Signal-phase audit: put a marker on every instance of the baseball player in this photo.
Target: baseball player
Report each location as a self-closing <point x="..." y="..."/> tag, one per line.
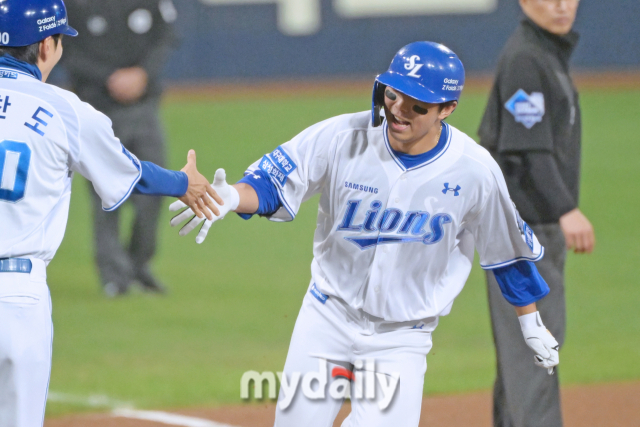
<point x="404" y="200"/>
<point x="47" y="134"/>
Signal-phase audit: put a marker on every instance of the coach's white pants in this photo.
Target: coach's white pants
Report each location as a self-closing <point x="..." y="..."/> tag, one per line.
<point x="26" y="334"/>
<point x="341" y="335"/>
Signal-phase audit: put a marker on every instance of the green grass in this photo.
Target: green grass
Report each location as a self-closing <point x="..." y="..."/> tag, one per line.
<point x="234" y="299"/>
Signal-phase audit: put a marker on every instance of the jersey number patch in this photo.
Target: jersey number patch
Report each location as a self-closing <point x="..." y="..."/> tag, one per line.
<point x="15" y="158"/>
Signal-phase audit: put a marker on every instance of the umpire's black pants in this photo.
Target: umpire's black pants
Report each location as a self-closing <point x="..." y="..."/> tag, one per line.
<point x="138" y="127"/>
<point x="524" y="395"/>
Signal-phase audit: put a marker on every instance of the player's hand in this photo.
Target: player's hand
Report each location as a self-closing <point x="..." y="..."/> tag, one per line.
<point x="540" y="340"/>
<point x="127" y="85"/>
<point x="578" y="231"/>
<point x="199" y="190"/>
<point x="230" y="201"/>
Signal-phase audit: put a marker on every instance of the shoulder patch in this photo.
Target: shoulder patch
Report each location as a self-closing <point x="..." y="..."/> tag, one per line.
<point x="527" y="109"/>
<point x="278" y="165"/>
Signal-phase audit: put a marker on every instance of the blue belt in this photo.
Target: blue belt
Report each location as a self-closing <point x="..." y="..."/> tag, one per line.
<point x="15" y="265"/>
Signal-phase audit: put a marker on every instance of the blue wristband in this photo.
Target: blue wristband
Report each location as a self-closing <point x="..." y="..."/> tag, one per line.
<point x="268" y="199"/>
<point x="157" y="181"/>
<point x="521" y="283"/>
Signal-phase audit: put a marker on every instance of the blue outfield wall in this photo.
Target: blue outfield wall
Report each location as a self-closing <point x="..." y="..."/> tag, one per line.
<point x="273" y="39"/>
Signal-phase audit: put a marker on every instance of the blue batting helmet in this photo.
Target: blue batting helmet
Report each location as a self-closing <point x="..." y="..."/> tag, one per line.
<point x="427" y="71"/>
<point x="25" y="22"/>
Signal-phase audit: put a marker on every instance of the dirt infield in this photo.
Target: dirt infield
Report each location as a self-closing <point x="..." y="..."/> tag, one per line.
<point x="610" y="405"/>
<point x="224" y="90"/>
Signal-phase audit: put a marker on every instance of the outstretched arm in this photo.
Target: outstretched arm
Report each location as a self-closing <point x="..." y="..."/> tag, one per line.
<point x="189" y="185"/>
<point x="199" y="194"/>
<point x="254" y="194"/>
<point x="241" y="198"/>
<point x="248" y="198"/>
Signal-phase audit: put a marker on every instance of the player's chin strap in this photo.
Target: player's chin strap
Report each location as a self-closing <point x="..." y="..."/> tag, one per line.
<point x="377" y="103"/>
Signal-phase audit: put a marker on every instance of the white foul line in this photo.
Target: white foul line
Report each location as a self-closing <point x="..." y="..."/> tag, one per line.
<point x="92" y="401"/>
<point x="125" y="410"/>
<point x="166" y="418"/>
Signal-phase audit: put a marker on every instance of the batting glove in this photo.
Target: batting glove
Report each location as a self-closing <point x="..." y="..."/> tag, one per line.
<point x="540" y="340"/>
<point x="229" y="196"/>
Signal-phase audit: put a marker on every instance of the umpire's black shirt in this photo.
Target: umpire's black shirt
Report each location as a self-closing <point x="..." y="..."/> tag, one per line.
<point x="532" y="123"/>
<point x="116" y="34"/>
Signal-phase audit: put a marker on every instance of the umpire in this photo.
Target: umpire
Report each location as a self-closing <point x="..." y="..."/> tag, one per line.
<point x="532" y="128"/>
<point x="116" y="67"/>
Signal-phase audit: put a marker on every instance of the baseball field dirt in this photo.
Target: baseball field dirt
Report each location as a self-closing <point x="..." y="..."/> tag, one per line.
<point x="476" y="83"/>
<point x="610" y="405"/>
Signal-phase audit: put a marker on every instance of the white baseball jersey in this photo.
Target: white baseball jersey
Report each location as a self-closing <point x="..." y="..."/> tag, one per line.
<point x="46" y="134"/>
<point x="397" y="243"/>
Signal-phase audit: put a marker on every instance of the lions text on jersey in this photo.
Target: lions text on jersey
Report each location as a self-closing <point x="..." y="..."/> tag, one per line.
<point x="397" y="242"/>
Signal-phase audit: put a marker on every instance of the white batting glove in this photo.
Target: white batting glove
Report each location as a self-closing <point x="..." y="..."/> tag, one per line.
<point x="540" y="340"/>
<point x="229" y="196"/>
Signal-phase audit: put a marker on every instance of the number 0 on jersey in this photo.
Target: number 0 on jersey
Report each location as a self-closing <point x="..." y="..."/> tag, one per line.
<point x="15" y="158"/>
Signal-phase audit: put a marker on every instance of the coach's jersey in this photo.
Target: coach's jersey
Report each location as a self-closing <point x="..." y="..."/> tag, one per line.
<point x="396" y="242"/>
<point x="46" y="134"/>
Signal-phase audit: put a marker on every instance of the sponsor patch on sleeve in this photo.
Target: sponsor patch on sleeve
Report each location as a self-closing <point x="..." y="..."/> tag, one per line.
<point x="528" y="236"/>
<point x="525" y="230"/>
<point x="6" y="74"/>
<point x="318" y="295"/>
<point x="267" y="166"/>
<point x="527" y="109"/>
<point x="278" y="165"/>
<point x="283" y="161"/>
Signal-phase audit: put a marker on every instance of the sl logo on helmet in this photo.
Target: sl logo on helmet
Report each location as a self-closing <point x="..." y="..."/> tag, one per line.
<point x="413" y="66"/>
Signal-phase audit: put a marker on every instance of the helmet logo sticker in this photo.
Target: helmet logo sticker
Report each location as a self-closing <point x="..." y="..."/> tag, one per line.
<point x="413" y="66"/>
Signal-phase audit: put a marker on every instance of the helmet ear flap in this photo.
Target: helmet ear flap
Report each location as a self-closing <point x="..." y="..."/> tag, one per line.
<point x="378" y="103"/>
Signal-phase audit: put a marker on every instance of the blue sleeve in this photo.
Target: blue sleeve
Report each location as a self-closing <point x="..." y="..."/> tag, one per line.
<point x="520" y="283"/>
<point x="157" y="181"/>
<point x="269" y="202"/>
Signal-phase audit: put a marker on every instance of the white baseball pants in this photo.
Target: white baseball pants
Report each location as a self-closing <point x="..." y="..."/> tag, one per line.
<point x="26" y="334"/>
<point x="345" y="337"/>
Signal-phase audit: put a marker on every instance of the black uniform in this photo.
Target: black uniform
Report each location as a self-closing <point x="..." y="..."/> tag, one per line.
<point x="532" y="128"/>
<point x="117" y="34"/>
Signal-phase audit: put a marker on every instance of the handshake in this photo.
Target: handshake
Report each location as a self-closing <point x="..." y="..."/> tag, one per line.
<point x="222" y="198"/>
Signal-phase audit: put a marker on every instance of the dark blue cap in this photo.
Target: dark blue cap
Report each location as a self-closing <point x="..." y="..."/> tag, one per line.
<point x="24" y="22"/>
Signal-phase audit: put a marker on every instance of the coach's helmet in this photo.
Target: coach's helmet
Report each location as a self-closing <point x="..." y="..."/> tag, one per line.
<point x="427" y="71"/>
<point x="25" y="22"/>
